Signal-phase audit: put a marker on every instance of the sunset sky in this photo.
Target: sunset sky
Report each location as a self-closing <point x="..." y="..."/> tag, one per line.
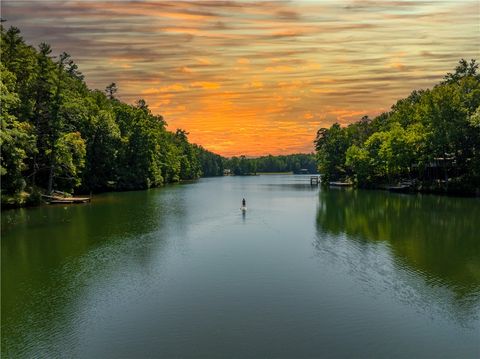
<point x="256" y="77"/>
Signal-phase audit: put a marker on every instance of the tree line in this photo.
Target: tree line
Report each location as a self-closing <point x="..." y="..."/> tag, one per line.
<point x="431" y="140"/>
<point x="57" y="134"/>
<point x="296" y="163"/>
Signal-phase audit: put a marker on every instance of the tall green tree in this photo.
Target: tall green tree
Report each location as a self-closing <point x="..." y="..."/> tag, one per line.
<point x="331" y="145"/>
<point x="17" y="140"/>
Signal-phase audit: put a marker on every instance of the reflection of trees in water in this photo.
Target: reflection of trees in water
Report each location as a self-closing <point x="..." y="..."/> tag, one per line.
<point x="434" y="236"/>
<point x="52" y="255"/>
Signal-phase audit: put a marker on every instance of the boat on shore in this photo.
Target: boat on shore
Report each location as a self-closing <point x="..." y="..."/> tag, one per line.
<point x="55" y="199"/>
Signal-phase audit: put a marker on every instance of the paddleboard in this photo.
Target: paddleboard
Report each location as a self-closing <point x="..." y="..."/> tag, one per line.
<point x="243" y="208"/>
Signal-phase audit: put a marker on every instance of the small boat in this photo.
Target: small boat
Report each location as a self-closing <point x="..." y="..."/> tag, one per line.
<point x="65" y="200"/>
<point x="60" y="201"/>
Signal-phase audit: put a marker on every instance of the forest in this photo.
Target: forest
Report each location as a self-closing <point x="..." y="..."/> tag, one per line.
<point x="430" y="140"/>
<point x="57" y="134"/>
<point x="296" y="163"/>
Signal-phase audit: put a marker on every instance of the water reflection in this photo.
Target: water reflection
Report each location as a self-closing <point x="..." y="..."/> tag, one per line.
<point x="429" y="237"/>
<point x="58" y="252"/>
<point x="155" y="273"/>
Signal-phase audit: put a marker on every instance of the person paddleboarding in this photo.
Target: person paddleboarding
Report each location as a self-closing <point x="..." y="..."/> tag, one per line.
<point x="244" y="205"/>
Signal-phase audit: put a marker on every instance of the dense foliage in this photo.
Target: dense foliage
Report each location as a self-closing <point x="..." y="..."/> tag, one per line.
<point x="431" y="138"/>
<point x="296" y="163"/>
<point x="59" y="135"/>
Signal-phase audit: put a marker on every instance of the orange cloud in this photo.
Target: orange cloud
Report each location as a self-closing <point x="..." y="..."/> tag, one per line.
<point x="204" y="60"/>
<point x="256" y="77"/>
<point x="176" y="87"/>
<point x="206" y="85"/>
<point x="279" y="68"/>
<point x="185" y="70"/>
<point x="255" y="84"/>
<point x="397" y="66"/>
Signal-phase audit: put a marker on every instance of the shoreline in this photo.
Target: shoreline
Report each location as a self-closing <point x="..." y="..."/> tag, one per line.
<point x="410" y="191"/>
<point x="24" y="198"/>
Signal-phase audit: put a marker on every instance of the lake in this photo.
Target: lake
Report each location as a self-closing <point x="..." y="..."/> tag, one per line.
<point x="180" y="271"/>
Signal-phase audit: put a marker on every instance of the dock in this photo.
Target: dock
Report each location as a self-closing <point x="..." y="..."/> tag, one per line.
<point x="314" y="180"/>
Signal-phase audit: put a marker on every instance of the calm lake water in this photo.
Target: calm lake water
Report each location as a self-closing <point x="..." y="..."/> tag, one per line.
<point x="305" y="272"/>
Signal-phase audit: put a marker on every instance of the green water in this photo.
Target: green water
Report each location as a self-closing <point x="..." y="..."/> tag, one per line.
<point x="181" y="272"/>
